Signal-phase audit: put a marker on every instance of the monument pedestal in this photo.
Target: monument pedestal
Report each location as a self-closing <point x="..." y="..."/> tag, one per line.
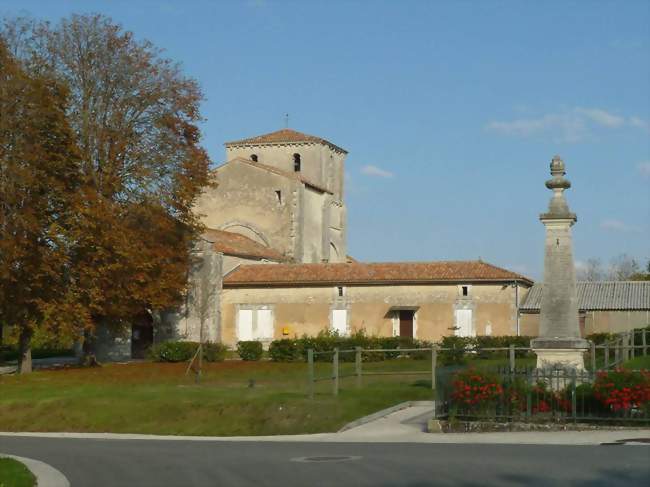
<point x="565" y="353"/>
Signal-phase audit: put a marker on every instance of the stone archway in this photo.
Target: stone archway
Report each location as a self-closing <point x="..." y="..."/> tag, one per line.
<point x="247" y="230"/>
<point x="334" y="253"/>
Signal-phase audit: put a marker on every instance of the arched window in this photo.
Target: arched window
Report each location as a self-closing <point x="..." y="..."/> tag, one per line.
<point x="296" y="162"/>
<point x="254" y="157"/>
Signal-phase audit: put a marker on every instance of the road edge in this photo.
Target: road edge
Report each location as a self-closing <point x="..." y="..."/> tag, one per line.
<point x="46" y="475"/>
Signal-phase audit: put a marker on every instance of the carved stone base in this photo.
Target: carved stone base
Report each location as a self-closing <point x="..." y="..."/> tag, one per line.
<point x="567" y="358"/>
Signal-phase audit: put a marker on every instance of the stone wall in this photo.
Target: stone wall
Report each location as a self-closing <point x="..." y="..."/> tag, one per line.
<point x="308" y="310"/>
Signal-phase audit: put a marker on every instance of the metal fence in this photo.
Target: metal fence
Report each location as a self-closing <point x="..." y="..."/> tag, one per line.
<point x="526" y="398"/>
<point x="529" y="394"/>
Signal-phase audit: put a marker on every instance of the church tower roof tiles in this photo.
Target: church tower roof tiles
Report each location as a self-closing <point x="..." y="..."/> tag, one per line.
<point x="282" y="137"/>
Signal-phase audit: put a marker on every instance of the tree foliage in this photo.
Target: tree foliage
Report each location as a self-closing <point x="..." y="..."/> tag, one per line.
<point x="39" y="179"/>
<point x="135" y="120"/>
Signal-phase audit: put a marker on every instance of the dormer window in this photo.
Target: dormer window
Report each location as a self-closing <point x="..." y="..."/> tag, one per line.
<point x="296" y="162"/>
<point x="254" y="157"/>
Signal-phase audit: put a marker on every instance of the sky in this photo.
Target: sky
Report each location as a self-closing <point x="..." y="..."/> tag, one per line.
<point x="451" y="110"/>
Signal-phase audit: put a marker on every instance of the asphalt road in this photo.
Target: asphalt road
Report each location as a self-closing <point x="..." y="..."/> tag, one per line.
<point x="103" y="463"/>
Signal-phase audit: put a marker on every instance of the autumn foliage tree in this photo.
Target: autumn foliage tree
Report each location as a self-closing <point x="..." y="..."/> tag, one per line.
<point x="39" y="178"/>
<point x="135" y="118"/>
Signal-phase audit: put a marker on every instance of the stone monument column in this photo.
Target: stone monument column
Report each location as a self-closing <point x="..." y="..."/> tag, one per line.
<point x="559" y="342"/>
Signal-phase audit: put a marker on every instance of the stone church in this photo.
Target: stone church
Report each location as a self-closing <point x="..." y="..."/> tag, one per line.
<point x="273" y="263"/>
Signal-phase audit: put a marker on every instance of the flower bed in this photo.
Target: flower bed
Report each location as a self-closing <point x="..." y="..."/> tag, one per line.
<point x="614" y="395"/>
<point x="623" y="390"/>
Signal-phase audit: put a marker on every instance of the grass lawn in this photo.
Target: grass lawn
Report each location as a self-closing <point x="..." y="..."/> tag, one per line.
<point x="160" y="398"/>
<point x="638" y="363"/>
<point x="15" y="474"/>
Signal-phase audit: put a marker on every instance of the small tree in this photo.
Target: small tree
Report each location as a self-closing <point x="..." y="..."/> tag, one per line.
<point x="203" y="296"/>
<point x="591" y="271"/>
<point x="623" y="267"/>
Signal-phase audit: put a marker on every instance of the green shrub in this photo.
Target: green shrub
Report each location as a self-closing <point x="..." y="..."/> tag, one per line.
<point x="458" y="346"/>
<point x="250" y="350"/>
<point x="502" y="341"/>
<point x="323" y="344"/>
<point x="600" y="338"/>
<point x="173" y="351"/>
<point x="286" y="350"/>
<point x="214" y="352"/>
<point x="178" y="351"/>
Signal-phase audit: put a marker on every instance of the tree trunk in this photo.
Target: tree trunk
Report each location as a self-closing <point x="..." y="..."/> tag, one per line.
<point x="25" y="351"/>
<point x="89" y="356"/>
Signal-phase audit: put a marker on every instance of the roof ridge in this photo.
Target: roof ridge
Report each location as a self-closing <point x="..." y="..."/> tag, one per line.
<point x="285" y="135"/>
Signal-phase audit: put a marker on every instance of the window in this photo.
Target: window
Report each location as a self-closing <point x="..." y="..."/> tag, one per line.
<point x="341" y="291"/>
<point x="254" y="157"/>
<point x="296" y="162"/>
<point x="255" y="324"/>
<point x="465" y="290"/>
<point x="278" y="193"/>
<point x="340" y="321"/>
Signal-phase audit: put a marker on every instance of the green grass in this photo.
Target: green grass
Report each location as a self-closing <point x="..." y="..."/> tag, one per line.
<point x="15" y="474"/>
<point x="638" y="363"/>
<point x="160" y="399"/>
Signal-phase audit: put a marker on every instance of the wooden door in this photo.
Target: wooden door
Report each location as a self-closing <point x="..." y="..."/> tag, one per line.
<point x="464" y="323"/>
<point x="406" y="323"/>
<point x="340" y="321"/>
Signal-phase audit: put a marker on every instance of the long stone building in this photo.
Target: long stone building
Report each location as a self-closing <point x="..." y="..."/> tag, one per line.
<point x="273" y="263"/>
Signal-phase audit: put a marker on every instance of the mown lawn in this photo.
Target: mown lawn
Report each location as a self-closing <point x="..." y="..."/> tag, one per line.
<point x="638" y="363"/>
<point x="233" y="397"/>
<point x="15" y="474"/>
<point x="160" y="398"/>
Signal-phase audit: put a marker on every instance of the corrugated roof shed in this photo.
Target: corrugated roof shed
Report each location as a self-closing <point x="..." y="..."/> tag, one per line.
<point x="606" y="295"/>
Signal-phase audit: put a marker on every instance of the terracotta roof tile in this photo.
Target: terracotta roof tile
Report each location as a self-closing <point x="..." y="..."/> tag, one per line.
<point x="373" y="273"/>
<point x="280" y="172"/>
<point x="283" y="136"/>
<point x="230" y="243"/>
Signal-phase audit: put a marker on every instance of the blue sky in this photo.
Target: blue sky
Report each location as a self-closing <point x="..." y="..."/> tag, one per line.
<point x="450" y="110"/>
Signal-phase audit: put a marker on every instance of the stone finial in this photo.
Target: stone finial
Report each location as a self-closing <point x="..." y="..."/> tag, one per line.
<point x="558" y="207"/>
<point x="558" y="172"/>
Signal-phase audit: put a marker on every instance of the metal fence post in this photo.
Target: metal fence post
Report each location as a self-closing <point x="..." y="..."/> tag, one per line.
<point x="644" y="342"/>
<point x="606" y="355"/>
<point x="617" y="351"/>
<point x="593" y="358"/>
<point x="632" y="344"/>
<point x="574" y="403"/>
<point x="434" y="360"/>
<point x="310" y="373"/>
<point x="335" y="366"/>
<point x="357" y="365"/>
<point x="512" y="357"/>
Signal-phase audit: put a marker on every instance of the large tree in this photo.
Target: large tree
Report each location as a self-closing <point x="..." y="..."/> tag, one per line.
<point x="135" y="116"/>
<point x="39" y="178"/>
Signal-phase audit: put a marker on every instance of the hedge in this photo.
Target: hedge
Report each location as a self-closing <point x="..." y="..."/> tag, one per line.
<point x="250" y="350"/>
<point x="295" y="350"/>
<point x="177" y="351"/>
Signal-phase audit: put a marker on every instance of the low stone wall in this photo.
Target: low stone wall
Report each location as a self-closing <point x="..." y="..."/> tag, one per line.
<point x="445" y="426"/>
